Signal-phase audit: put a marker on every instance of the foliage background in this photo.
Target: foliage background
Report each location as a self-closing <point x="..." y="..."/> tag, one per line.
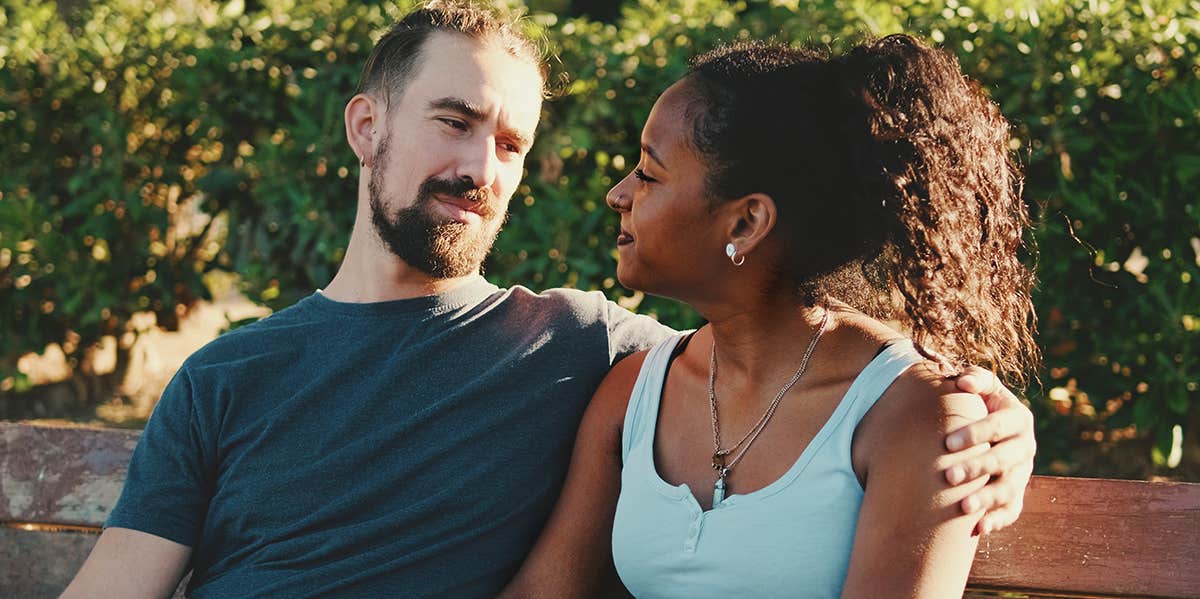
<point x="147" y="146"/>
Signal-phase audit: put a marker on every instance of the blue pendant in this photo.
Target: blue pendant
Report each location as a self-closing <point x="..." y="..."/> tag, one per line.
<point x="719" y="491"/>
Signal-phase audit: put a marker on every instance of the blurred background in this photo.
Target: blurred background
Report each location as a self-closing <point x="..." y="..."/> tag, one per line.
<point x="172" y="169"/>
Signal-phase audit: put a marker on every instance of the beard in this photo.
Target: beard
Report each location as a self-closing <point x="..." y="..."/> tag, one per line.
<point x="416" y="234"/>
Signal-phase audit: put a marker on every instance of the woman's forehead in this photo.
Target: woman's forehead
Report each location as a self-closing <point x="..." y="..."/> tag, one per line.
<point x="668" y="128"/>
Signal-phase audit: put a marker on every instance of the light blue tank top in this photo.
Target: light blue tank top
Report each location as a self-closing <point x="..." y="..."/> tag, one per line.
<point x="791" y="538"/>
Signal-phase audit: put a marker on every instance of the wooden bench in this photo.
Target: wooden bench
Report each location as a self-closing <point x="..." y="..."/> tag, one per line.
<point x="1076" y="537"/>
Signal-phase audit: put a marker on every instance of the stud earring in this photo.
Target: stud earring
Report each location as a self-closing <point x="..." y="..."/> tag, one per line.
<point x="731" y="253"/>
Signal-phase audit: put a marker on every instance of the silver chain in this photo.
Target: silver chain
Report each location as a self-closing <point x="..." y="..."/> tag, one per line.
<point x="718" y="458"/>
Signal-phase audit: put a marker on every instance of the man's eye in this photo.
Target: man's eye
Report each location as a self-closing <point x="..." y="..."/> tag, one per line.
<point x="513" y="148"/>
<point x="454" y="123"/>
<point x="641" y="175"/>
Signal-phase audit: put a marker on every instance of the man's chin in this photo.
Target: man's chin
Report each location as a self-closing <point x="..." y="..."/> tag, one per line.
<point x="454" y="262"/>
<point x="439" y="246"/>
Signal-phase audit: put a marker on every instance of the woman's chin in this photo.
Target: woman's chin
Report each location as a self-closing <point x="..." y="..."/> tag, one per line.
<point x="627" y="277"/>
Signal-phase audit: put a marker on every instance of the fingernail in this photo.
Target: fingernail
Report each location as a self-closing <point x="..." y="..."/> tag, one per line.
<point x="956" y="475"/>
<point x="955" y="442"/>
<point x="971" y="504"/>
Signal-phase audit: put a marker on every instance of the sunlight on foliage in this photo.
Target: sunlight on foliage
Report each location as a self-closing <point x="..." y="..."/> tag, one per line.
<point x="145" y="145"/>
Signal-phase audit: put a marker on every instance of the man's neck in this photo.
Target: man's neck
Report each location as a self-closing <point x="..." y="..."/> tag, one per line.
<point x="367" y="276"/>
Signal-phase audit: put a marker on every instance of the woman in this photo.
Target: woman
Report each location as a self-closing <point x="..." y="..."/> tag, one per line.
<point x="792" y="446"/>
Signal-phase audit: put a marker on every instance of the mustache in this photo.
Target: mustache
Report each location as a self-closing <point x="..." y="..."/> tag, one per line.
<point x="459" y="188"/>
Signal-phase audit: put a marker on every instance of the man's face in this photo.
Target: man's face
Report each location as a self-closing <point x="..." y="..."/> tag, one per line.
<point x="451" y="153"/>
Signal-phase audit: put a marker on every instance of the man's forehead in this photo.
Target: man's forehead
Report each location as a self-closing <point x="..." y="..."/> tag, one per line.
<point x="481" y="74"/>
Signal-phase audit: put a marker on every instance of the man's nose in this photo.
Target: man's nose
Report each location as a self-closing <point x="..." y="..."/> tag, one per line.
<point x="480" y="164"/>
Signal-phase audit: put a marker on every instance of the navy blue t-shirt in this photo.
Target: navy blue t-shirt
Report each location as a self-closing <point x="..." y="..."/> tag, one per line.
<point x="407" y="448"/>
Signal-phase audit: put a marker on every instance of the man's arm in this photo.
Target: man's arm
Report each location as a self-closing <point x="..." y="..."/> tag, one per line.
<point x="573" y="555"/>
<point x="128" y="563"/>
<point x="1008" y="427"/>
<point x="146" y="544"/>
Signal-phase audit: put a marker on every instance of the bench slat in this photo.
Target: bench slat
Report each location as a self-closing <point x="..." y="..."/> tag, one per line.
<point x="40" y="564"/>
<point x="61" y="475"/>
<point x="1098" y="536"/>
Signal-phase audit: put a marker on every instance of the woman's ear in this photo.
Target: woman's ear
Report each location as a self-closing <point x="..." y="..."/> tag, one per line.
<point x="363" y="117"/>
<point x="752" y="219"/>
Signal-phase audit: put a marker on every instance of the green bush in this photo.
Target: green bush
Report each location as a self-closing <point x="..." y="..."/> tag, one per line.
<point x="144" y="147"/>
<point x="101" y="158"/>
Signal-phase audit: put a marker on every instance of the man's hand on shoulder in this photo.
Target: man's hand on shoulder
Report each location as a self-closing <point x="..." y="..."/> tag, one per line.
<point x="1008" y="428"/>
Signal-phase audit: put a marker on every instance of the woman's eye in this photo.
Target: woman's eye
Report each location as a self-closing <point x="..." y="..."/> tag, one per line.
<point x="642" y="176"/>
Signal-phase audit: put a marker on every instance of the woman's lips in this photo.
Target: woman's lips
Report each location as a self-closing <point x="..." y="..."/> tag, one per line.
<point x="624" y="239"/>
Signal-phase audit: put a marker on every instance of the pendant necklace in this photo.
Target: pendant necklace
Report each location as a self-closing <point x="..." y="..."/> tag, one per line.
<point x="721" y="461"/>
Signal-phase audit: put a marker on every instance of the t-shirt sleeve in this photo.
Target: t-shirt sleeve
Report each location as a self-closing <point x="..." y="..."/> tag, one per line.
<point x="167" y="487"/>
<point x="629" y="332"/>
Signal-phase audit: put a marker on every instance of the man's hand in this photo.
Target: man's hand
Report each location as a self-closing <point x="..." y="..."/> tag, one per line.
<point x="1009" y="429"/>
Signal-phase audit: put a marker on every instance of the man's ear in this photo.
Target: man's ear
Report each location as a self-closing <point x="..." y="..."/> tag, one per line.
<point x="751" y="220"/>
<point x="364" y="117"/>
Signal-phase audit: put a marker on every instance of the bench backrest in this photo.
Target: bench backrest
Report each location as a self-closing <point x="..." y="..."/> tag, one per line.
<point x="1097" y="537"/>
<point x="56" y="487"/>
<point x="1076" y="537"/>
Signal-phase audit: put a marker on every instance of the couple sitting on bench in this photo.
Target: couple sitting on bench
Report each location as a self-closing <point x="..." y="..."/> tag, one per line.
<point x="408" y="430"/>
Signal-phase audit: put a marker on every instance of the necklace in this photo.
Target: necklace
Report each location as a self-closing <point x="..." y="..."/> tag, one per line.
<point x="719" y="455"/>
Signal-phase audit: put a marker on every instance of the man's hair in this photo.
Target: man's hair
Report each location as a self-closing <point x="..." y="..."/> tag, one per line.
<point x="397" y="55"/>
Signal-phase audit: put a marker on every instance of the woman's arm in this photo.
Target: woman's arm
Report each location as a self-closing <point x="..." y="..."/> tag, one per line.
<point x="912" y="538"/>
<point x="573" y="555"/>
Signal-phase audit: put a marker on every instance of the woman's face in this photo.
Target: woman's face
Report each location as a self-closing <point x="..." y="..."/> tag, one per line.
<point x="670" y="243"/>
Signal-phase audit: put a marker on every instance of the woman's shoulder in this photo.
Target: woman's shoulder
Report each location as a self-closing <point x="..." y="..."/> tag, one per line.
<point x="921" y="394"/>
<point x="928" y="395"/>
<point x="623" y="374"/>
<point x="910" y="420"/>
<point x="611" y="398"/>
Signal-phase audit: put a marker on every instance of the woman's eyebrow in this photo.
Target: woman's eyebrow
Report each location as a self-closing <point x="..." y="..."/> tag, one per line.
<point x="649" y="150"/>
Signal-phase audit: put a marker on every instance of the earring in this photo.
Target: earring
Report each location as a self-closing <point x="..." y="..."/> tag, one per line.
<point x="731" y="253"/>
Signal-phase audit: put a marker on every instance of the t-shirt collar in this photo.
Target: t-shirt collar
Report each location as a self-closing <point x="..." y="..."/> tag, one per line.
<point x="473" y="290"/>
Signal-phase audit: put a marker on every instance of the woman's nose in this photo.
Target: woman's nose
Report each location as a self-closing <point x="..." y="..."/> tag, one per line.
<point x="618" y="196"/>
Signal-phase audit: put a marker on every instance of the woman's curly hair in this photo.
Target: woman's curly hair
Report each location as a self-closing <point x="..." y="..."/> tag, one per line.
<point x="893" y="181"/>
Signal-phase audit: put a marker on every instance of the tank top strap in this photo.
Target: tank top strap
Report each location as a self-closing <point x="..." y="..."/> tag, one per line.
<point x="641" y="414"/>
<point x="892" y="361"/>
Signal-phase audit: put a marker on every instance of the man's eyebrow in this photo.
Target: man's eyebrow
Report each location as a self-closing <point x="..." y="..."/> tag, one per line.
<point x="654" y="155"/>
<point x="458" y="105"/>
<point x="474" y="113"/>
<point x="523" y="139"/>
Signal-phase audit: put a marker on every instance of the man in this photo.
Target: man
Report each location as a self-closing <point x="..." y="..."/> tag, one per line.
<point x="404" y="431"/>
